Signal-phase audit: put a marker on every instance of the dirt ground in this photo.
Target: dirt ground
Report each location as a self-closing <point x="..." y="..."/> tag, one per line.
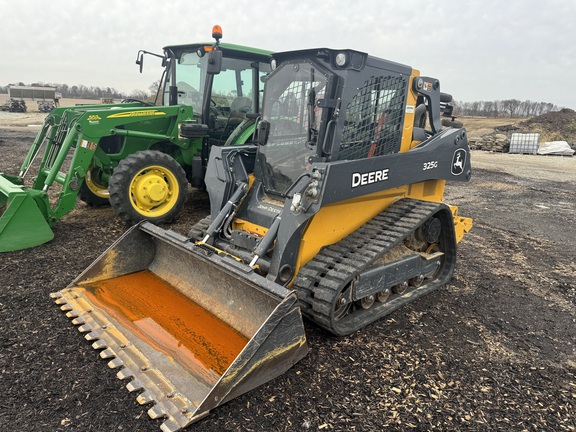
<point x="492" y="350"/>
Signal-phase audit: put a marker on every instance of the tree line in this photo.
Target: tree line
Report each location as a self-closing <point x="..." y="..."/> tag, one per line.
<point x="503" y="108"/>
<point x="497" y="108"/>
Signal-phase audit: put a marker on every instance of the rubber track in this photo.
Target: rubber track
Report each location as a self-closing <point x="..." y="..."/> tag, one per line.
<point x="323" y="278"/>
<point x="198" y="230"/>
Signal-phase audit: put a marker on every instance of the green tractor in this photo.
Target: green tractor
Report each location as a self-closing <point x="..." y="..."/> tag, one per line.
<point x="136" y="156"/>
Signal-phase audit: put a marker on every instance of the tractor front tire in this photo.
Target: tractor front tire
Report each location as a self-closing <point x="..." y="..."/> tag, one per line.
<point x="148" y="185"/>
<point x="92" y="191"/>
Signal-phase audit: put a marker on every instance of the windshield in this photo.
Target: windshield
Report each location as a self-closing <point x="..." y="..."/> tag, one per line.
<point x="190" y="80"/>
<point x="291" y="109"/>
<point x="233" y="94"/>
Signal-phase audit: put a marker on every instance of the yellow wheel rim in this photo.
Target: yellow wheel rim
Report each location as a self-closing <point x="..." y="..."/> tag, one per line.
<point x="96" y="188"/>
<point x="154" y="191"/>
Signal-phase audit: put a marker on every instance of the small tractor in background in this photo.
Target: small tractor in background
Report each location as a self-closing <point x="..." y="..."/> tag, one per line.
<point x="15" y="105"/>
<point x="46" y="106"/>
<point x="135" y="156"/>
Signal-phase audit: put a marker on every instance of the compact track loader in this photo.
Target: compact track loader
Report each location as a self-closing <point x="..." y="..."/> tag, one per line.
<point x="135" y="156"/>
<point x="335" y="213"/>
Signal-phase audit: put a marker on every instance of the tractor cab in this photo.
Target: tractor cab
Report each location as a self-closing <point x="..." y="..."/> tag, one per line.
<point x="221" y="82"/>
<point x="219" y="98"/>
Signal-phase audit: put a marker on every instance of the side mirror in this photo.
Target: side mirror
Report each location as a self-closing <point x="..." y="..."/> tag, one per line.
<point x="214" y="62"/>
<point x="140" y="61"/>
<point x="263" y="132"/>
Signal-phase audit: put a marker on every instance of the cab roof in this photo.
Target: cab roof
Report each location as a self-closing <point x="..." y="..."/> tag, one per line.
<point x="227" y="48"/>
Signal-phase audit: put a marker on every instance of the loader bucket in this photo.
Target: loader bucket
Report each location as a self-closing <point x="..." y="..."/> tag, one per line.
<point x="190" y="329"/>
<point x="22" y="223"/>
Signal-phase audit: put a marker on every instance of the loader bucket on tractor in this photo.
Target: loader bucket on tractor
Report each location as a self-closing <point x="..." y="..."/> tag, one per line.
<point x="22" y="223"/>
<point x="189" y="328"/>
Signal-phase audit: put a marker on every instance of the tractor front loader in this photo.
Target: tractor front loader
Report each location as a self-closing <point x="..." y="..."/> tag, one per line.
<point x="78" y="148"/>
<point x="135" y="156"/>
<point x="335" y="213"/>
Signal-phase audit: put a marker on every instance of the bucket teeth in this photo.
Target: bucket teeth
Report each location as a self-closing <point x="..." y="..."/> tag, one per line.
<point x="107" y="354"/>
<point x="156" y="412"/>
<point x="60" y="301"/>
<point x="115" y="363"/>
<point x="91" y="334"/>
<point x="134" y="385"/>
<point x="85" y="328"/>
<point x="78" y="321"/>
<point x="99" y="344"/>
<point x="145" y="398"/>
<point x="132" y="365"/>
<point x="73" y="313"/>
<point x="169" y="426"/>
<point x="124" y="373"/>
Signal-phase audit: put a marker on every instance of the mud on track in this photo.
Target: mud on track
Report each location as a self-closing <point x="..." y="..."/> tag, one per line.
<point x="493" y="350"/>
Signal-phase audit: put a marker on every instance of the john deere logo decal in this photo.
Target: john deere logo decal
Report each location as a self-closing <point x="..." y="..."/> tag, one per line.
<point x="141" y="113"/>
<point x="458" y="162"/>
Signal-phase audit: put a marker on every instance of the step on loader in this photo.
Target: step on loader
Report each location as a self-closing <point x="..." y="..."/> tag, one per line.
<point x="135" y="156"/>
<point x="335" y="214"/>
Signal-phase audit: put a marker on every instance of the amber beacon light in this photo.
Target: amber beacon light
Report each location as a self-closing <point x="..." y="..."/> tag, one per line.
<point x="217" y="32"/>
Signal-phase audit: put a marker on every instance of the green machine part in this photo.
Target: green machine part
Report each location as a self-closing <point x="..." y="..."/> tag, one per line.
<point x="70" y="142"/>
<point x="23" y="223"/>
<point x="108" y="153"/>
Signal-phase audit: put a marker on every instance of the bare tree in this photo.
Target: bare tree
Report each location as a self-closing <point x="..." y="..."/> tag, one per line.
<point x="139" y="94"/>
<point x="490" y="109"/>
<point x="155" y="93"/>
<point x="511" y="106"/>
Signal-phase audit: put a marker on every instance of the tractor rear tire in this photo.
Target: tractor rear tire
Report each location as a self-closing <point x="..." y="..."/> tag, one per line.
<point x="148" y="185"/>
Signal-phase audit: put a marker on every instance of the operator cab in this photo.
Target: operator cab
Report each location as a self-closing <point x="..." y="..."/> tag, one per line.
<point x="234" y="91"/>
<point x="327" y="105"/>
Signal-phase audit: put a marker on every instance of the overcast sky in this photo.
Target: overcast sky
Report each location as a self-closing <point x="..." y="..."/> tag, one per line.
<point x="479" y="50"/>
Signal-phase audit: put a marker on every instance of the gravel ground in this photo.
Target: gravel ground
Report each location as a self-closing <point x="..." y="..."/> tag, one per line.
<point x="8" y="119"/>
<point x="492" y="350"/>
<point x="547" y="168"/>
